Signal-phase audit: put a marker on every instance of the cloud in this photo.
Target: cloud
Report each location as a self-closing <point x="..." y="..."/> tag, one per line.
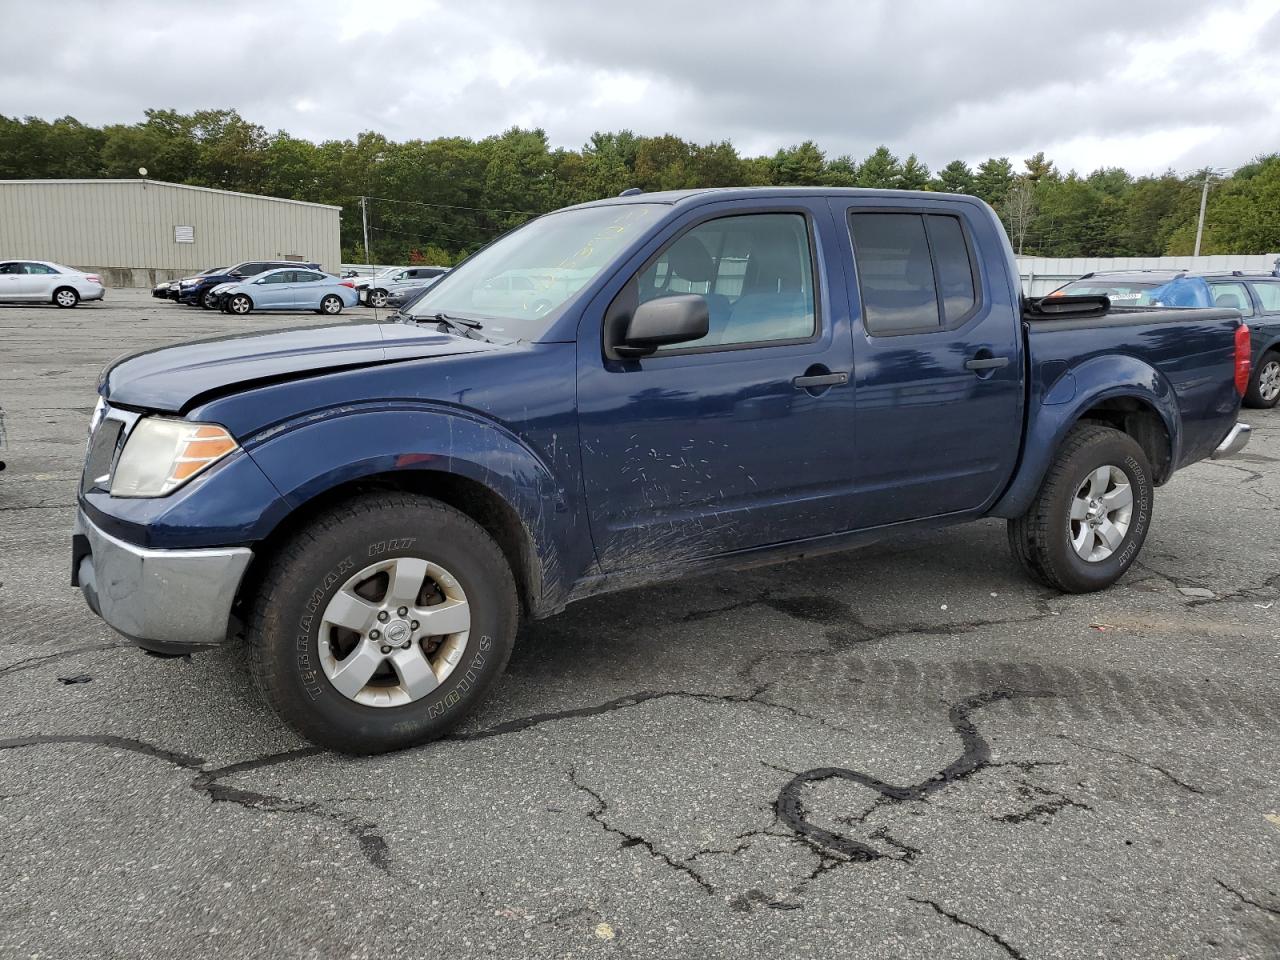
<point x="1145" y="85"/>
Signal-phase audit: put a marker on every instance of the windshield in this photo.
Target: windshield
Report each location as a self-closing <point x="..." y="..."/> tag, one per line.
<point x="1178" y="292"/>
<point x="516" y="285"/>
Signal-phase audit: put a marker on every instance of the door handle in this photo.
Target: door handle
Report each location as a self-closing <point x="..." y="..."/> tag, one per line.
<point x="820" y="380"/>
<point x="986" y="363"/>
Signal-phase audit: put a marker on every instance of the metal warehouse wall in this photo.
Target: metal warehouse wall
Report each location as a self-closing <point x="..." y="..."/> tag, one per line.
<point x="124" y="229"/>
<point x="1043" y="274"/>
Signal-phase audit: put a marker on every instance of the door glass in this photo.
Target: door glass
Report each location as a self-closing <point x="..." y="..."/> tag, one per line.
<point x="755" y="272"/>
<point x="1234" y="296"/>
<point x="955" y="268"/>
<point x="895" y="274"/>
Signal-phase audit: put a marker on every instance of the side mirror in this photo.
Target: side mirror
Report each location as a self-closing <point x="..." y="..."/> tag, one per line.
<point x="662" y="322"/>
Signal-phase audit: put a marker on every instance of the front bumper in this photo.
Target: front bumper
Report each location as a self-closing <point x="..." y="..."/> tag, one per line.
<point x="1233" y="442"/>
<point x="170" y="601"/>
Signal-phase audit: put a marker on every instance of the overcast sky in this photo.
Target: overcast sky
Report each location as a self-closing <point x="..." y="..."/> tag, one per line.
<point x="1143" y="85"/>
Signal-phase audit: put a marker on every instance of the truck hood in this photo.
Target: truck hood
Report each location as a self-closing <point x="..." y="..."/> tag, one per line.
<point x="172" y="379"/>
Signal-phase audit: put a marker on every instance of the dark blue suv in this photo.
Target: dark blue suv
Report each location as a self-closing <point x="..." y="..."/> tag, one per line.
<point x="196" y="290"/>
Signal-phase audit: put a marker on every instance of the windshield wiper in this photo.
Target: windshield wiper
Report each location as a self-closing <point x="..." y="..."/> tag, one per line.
<point x="460" y="324"/>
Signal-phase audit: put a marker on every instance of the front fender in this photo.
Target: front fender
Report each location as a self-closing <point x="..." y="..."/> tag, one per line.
<point x="1065" y="401"/>
<point x="307" y="458"/>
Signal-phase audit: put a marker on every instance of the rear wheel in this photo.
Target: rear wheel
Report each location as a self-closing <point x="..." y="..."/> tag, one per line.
<point x="239" y="304"/>
<point x="1091" y="515"/>
<point x="331" y="305"/>
<point x="382" y="623"/>
<point x="1264" y="385"/>
<point x="66" y="297"/>
<point x="377" y="298"/>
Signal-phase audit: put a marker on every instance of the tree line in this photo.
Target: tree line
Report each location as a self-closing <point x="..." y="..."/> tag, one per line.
<point x="434" y="201"/>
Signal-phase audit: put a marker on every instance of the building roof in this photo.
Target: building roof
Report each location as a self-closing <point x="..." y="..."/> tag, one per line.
<point x="176" y="186"/>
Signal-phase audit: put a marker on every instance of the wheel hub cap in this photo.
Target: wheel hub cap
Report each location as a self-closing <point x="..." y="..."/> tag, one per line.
<point x="394" y="632"/>
<point x="1101" y="513"/>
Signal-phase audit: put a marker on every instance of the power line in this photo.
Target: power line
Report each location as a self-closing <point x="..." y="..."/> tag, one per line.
<point x="457" y="206"/>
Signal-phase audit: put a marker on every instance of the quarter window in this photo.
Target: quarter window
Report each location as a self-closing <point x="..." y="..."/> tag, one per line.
<point x="755" y="272"/>
<point x="915" y="272"/>
<point x="1268" y="296"/>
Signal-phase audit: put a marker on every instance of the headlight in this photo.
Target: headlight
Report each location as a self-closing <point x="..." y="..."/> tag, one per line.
<point x="162" y="454"/>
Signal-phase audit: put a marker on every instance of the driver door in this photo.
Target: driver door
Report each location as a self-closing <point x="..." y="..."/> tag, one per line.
<point x="743" y="438"/>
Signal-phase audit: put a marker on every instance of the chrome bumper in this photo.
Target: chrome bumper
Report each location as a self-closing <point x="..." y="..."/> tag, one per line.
<point x="164" y="600"/>
<point x="1233" y="443"/>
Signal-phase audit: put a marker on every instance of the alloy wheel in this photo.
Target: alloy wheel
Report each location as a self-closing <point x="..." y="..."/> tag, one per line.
<point x="1101" y="512"/>
<point x="394" y="632"/>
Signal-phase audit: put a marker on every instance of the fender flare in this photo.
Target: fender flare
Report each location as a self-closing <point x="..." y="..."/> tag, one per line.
<point x="1066" y="401"/>
<point x="413" y="438"/>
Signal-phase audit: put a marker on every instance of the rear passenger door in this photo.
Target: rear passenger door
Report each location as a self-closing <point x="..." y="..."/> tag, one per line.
<point x="937" y="363"/>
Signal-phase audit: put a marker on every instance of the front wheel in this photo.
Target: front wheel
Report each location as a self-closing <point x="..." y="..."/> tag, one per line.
<point x="209" y="301"/>
<point x="1264" y="385"/>
<point x="1089" y="520"/>
<point x="239" y="305"/>
<point x="331" y="305"/>
<point x="382" y="623"/>
<point x="66" y="297"/>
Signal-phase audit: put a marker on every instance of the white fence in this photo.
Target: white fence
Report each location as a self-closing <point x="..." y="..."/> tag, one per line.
<point x="1043" y="274"/>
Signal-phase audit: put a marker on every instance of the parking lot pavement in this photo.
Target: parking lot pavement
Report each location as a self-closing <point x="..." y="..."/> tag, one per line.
<point x="907" y="751"/>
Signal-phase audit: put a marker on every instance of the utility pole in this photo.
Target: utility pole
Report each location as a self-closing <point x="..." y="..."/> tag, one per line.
<point x="1204" y="197"/>
<point x="364" y="219"/>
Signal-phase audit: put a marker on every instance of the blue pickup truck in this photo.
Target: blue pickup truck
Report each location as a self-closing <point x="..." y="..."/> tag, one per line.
<point x="687" y="382"/>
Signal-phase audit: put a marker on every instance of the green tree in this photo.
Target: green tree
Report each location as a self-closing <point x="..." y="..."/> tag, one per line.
<point x="881" y="170"/>
<point x="799" y="166"/>
<point x="993" y="180"/>
<point x="914" y="175"/>
<point x="955" y="177"/>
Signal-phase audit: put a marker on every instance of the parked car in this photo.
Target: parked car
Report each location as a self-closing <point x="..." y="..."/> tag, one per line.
<point x="383" y="503"/>
<point x="375" y="290"/>
<point x="193" y="290"/>
<point x="41" y="281"/>
<point x="403" y="295"/>
<point x="288" y="289"/>
<point x="1255" y="295"/>
<point x="170" y="289"/>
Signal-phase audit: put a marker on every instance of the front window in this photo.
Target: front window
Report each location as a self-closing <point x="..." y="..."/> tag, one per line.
<point x="518" y="283"/>
<point x="754" y="270"/>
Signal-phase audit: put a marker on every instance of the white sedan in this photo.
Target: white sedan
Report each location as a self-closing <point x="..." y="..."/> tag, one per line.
<point x="43" y="282"/>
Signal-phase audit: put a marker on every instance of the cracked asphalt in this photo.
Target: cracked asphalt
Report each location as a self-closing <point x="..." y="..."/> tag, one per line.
<point x="907" y="751"/>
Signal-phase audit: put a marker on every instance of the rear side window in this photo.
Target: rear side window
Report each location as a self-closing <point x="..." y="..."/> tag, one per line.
<point x="1268" y="296"/>
<point x="915" y="272"/>
<point x="39" y="270"/>
<point x="1232" y="295"/>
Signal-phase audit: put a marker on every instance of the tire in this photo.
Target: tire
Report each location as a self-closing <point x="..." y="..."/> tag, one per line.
<point x="290" y="613"/>
<point x="331" y="305"/>
<point x="240" y="305"/>
<point x="66" y="297"/>
<point x="209" y="301"/>
<point x="377" y="298"/>
<point x="1264" y="385"/>
<point x="1048" y="540"/>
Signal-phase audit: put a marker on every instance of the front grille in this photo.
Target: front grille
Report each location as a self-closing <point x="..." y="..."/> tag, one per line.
<point x="102" y="455"/>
